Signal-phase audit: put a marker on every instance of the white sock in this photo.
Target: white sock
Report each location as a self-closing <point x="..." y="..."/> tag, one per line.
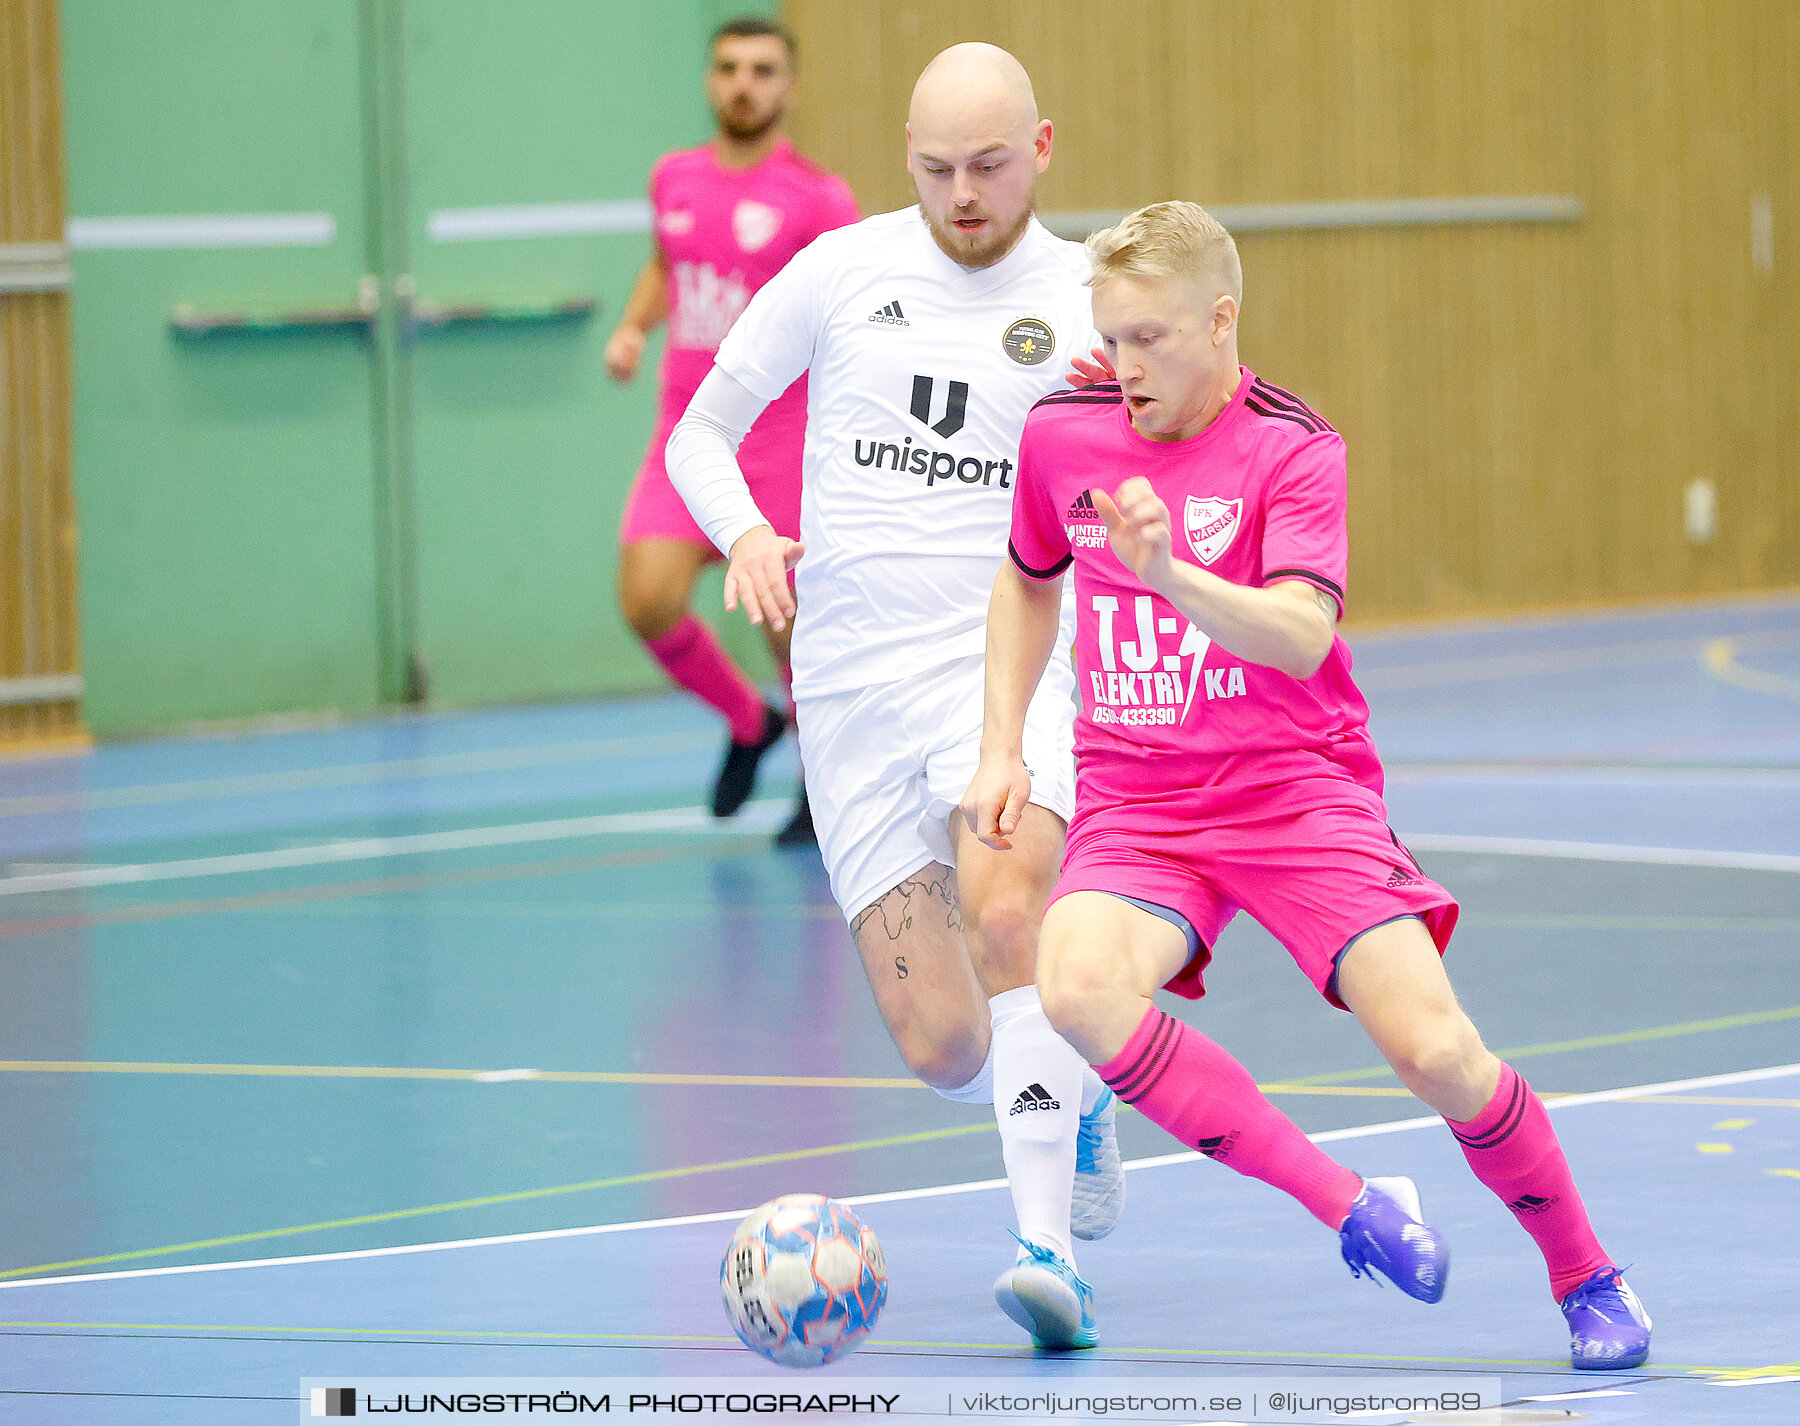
<point x="979" y="1090"/>
<point x="1037" y="1101"/>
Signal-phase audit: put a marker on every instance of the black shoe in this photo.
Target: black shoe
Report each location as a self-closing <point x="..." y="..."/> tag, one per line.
<point x="737" y="774"/>
<point x="799" y="830"/>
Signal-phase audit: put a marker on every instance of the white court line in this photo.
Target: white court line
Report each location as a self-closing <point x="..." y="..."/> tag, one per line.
<point x="756" y="817"/>
<point x="1599" y="852"/>
<point x="1330" y="1136"/>
<point x="753" y="819"/>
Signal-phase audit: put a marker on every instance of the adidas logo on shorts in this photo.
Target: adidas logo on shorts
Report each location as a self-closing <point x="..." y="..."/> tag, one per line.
<point x="1403" y="877"/>
<point x="890" y="316"/>
<point x="1033" y="1096"/>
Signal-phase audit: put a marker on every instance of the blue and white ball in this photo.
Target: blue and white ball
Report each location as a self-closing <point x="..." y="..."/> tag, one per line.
<point x="803" y="1280"/>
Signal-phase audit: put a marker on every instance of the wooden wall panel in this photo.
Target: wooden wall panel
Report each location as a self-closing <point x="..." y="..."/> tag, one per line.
<point x="1525" y="404"/>
<point x="38" y="630"/>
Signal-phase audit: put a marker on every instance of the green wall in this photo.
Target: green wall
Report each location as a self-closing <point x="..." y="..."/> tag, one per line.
<point x="233" y="490"/>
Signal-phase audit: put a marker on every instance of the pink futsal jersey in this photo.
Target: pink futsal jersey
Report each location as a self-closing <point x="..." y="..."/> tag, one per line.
<point x="724" y="233"/>
<point x="1169" y="719"/>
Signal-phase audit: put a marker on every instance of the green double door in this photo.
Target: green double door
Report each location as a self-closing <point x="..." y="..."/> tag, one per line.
<point x="343" y="276"/>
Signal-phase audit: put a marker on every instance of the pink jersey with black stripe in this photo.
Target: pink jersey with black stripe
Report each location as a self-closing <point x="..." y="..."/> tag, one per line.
<point x="1258" y="497"/>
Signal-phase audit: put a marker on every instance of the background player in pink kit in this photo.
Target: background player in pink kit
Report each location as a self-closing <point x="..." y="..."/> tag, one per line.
<point x="727" y="217"/>
<point x="1224" y="762"/>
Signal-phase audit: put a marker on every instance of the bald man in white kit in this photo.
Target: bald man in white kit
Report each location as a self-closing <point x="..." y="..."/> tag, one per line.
<point x="929" y="333"/>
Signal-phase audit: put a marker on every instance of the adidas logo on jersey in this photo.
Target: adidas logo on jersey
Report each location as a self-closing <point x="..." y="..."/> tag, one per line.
<point x="890" y="316"/>
<point x="1083" y="508"/>
<point x="1033" y="1097"/>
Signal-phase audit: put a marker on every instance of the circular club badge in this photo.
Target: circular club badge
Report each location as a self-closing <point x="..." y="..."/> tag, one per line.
<point x="1029" y="341"/>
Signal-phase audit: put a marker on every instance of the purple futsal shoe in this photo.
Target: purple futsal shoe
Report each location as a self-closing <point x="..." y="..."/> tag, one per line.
<point x="1383" y="1233"/>
<point x="1609" y="1331"/>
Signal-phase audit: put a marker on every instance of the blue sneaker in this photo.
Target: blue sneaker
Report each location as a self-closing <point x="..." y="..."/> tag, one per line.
<point x="1042" y="1293"/>
<point x="1609" y="1331"/>
<point x="1383" y="1233"/>
<point x="1099" y="1176"/>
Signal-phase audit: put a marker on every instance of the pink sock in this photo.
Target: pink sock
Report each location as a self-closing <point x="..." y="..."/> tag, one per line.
<point x="1514" y="1151"/>
<point x="1202" y="1096"/>
<point x="692" y="657"/>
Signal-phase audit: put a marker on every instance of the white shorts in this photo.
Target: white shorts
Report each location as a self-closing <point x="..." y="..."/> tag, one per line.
<point x="887" y="765"/>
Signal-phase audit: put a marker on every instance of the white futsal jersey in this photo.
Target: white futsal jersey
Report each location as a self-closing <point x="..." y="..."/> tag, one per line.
<point x="922" y="372"/>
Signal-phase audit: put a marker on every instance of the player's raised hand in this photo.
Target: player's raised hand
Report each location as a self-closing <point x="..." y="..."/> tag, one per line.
<point x="757" y="576"/>
<point x="1137" y="525"/>
<point x="1084" y="372"/>
<point x="624" y="350"/>
<point x="996" y="800"/>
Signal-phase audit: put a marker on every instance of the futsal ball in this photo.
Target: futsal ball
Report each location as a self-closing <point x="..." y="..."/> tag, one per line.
<point x="803" y="1280"/>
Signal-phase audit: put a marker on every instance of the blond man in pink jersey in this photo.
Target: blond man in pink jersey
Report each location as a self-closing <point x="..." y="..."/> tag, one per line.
<point x="727" y="217"/>
<point x="1224" y="763"/>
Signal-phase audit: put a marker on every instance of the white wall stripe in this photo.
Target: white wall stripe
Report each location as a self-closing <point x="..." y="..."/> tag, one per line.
<point x="205" y="230"/>
<point x="537" y="220"/>
<point x="729" y="1215"/>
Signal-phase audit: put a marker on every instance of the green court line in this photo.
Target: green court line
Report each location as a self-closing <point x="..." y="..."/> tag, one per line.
<point x="508" y="759"/>
<point x="591" y="910"/>
<point x="875" y="1345"/>
<point x="523" y="1195"/>
<point x="373" y="886"/>
<point x="1692" y="1027"/>
<point x="1591" y="1042"/>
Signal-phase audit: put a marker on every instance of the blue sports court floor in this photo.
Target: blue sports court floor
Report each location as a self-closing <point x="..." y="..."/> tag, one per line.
<point x="451" y="1045"/>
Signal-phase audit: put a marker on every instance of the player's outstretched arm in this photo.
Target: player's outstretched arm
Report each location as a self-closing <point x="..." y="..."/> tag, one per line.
<point x="1289" y="626"/>
<point x="702" y="462"/>
<point x="647" y="306"/>
<point x="1023" y="618"/>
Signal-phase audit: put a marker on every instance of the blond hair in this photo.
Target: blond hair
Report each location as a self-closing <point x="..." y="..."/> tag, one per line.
<point x="1169" y="240"/>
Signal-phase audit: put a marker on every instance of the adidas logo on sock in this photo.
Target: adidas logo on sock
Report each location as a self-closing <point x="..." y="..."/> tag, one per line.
<point x="1033" y="1096"/>
<point x="1219" y="1146"/>
<point x="1403" y="877"/>
<point x="890" y="316"/>
<point x="1531" y="1203"/>
<point x="1083" y="508"/>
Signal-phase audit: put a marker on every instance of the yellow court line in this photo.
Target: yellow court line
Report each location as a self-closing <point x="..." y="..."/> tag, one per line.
<point x="1720" y="657"/>
<point x="523" y="1195"/>
<point x="1593" y="1042"/>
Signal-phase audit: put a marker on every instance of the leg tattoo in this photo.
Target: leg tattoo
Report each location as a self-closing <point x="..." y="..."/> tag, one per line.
<point x="917" y="898"/>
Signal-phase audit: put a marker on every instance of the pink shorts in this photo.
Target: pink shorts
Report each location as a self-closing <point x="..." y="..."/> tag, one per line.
<point x="1312" y="859"/>
<point x="769" y="458"/>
